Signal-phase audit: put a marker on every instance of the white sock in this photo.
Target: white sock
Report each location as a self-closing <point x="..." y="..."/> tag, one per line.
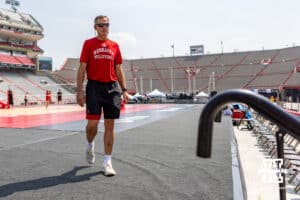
<point x="91" y="145"/>
<point x="107" y="159"/>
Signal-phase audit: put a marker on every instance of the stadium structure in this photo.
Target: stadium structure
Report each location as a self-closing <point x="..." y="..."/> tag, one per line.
<point x="19" y="58"/>
<point x="273" y="72"/>
<point x="37" y="142"/>
<point x="19" y="34"/>
<point x="270" y="72"/>
<point x="266" y="71"/>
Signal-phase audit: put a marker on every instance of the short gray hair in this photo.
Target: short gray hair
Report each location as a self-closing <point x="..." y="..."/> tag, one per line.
<point x="100" y="17"/>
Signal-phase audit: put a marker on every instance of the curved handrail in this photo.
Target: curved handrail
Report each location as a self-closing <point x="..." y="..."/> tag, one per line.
<point x="269" y="110"/>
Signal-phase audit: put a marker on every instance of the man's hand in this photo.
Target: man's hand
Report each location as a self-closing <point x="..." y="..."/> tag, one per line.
<point x="125" y="96"/>
<point x="80" y="98"/>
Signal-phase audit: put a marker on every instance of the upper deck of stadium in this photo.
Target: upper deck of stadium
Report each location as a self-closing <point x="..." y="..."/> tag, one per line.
<point x="263" y="69"/>
<point x="19" y="23"/>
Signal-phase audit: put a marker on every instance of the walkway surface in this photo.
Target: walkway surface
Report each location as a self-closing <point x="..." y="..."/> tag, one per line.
<point x="154" y="156"/>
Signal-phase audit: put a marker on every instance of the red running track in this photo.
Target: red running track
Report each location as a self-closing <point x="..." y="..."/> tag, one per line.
<point x="293" y="112"/>
<point x="29" y="121"/>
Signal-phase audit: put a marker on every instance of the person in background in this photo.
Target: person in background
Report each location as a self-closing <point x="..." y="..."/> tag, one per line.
<point x="48" y="98"/>
<point x="10" y="98"/>
<point x="59" y="96"/>
<point x="227" y="110"/>
<point x="26" y="99"/>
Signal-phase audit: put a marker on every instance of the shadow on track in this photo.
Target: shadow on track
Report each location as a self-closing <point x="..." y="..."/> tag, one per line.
<point x="68" y="177"/>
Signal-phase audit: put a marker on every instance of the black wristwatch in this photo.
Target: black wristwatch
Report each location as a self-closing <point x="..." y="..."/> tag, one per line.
<point x="124" y="90"/>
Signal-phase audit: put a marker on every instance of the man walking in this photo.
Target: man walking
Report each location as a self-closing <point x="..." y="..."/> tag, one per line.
<point x="101" y="60"/>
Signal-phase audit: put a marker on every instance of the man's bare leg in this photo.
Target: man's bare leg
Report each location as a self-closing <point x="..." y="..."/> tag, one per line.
<point x="91" y="132"/>
<point x="108" y="140"/>
<point x="108" y="137"/>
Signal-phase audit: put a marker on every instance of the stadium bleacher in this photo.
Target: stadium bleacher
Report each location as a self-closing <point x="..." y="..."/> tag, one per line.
<point x="246" y="70"/>
<point x="268" y="81"/>
<point x="264" y="69"/>
<point x="280" y="67"/>
<point x="9" y="59"/>
<point x="68" y="71"/>
<point x="19" y="35"/>
<point x="24" y="60"/>
<point x="231" y="59"/>
<point x="288" y="54"/>
<point x="293" y="81"/>
<point x="34" y="85"/>
<point x="257" y="56"/>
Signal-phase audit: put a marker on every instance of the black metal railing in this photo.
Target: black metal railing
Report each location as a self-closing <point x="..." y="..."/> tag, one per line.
<point x="285" y="121"/>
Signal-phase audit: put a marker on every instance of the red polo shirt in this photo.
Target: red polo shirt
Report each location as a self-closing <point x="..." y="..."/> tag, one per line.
<point x="101" y="56"/>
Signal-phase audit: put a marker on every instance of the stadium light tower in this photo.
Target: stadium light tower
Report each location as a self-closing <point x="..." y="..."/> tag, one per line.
<point x="192" y="73"/>
<point x="13" y="4"/>
<point x="150" y="83"/>
<point x="141" y="85"/>
<point x="221" y="46"/>
<point x="172" y="79"/>
<point x="136" y="86"/>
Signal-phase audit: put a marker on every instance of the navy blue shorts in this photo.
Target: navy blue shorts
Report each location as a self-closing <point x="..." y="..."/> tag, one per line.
<point x="102" y="96"/>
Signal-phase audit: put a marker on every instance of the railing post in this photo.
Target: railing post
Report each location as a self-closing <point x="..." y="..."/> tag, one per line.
<point x="285" y="121"/>
<point x="280" y="154"/>
<point x="218" y="117"/>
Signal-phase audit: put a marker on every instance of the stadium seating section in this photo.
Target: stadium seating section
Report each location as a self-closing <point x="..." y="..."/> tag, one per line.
<point x="267" y="69"/>
<point x="21" y="82"/>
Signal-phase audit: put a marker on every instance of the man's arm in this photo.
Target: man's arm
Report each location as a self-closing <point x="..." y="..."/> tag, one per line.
<point x="80" y="78"/>
<point x="121" y="79"/>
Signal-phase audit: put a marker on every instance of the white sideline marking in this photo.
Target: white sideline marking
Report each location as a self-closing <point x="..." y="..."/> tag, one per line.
<point x="130" y="119"/>
<point x="37" y="141"/>
<point x="121" y="120"/>
<point x="171" y="109"/>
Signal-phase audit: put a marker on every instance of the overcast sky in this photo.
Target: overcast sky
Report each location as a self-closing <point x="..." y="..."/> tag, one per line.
<point x="148" y="28"/>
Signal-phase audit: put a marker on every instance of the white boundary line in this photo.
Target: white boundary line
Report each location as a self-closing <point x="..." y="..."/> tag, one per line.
<point x="37" y="141"/>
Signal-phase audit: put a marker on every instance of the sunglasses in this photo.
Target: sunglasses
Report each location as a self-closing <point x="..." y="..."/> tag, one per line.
<point x="102" y="25"/>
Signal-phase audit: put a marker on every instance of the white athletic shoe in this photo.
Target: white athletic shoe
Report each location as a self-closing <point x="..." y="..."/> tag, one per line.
<point x="90" y="156"/>
<point x="109" y="170"/>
